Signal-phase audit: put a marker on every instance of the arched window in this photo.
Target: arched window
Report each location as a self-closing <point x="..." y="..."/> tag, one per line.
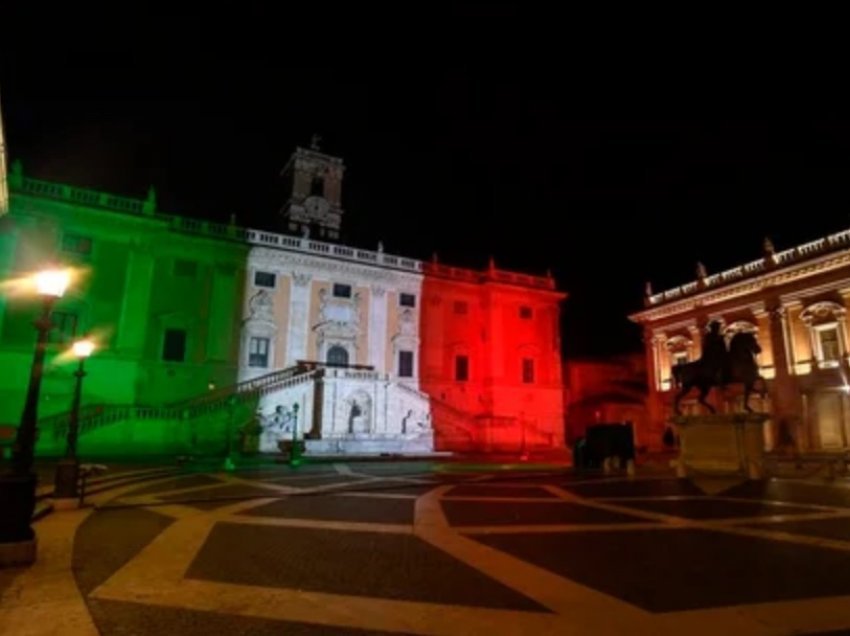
<point x="337" y="356"/>
<point x="317" y="186"/>
<point x="740" y="326"/>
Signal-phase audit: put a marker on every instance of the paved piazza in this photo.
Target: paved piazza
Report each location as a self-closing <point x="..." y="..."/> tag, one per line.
<point x="415" y="548"/>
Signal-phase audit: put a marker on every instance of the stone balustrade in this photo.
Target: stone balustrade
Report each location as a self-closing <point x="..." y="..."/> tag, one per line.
<point x="812" y="249"/>
<point x="262" y="238"/>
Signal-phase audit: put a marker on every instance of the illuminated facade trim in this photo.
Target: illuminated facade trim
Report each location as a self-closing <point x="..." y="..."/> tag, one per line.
<point x="761" y="283"/>
<point x="248" y="334"/>
<point x="796" y="303"/>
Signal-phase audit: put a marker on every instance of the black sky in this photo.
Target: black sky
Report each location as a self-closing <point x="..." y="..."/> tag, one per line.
<point x="469" y="138"/>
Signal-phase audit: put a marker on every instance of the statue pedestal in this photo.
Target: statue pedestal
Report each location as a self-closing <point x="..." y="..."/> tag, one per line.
<point x="727" y="444"/>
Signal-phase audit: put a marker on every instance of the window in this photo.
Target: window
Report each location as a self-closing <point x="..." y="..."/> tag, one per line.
<point x="76" y="244"/>
<point x="461" y="307"/>
<point x="405" y="364"/>
<point x="185" y="268"/>
<point x="829" y="347"/>
<point x="527" y="371"/>
<point x="461" y="368"/>
<point x="342" y="291"/>
<point x="63" y="326"/>
<point x="174" y="345"/>
<point x="317" y="186"/>
<point x="264" y="279"/>
<point x="525" y="312"/>
<point x="337" y="356"/>
<point x="407" y="300"/>
<point x="258" y="352"/>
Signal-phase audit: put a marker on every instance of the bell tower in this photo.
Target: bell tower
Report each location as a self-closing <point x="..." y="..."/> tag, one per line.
<point x="314" y="180"/>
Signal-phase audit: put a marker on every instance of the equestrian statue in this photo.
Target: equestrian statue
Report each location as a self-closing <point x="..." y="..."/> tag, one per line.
<point x="719" y="366"/>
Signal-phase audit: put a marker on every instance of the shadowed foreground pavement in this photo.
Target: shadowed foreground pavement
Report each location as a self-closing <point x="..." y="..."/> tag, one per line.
<point x="430" y="549"/>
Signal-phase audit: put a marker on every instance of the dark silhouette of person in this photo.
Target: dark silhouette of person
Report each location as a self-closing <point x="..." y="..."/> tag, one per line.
<point x="714" y="353"/>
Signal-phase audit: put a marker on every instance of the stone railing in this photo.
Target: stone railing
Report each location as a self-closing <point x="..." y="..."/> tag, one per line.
<point x="81" y="196"/>
<point x="351" y="374"/>
<point x="411" y="391"/>
<point x="95" y="416"/>
<point x="533" y="431"/>
<point x="833" y="242"/>
<point x="262" y="238"/>
<point x="320" y="248"/>
<point x="522" y="280"/>
<point x="448" y="419"/>
<point x="487" y="275"/>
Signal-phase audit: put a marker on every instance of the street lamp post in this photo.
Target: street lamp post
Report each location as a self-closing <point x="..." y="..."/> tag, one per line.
<point x="65" y="494"/>
<point x="294" y="455"/>
<point x="17" y="488"/>
<point x="524" y="452"/>
<point x="228" y="458"/>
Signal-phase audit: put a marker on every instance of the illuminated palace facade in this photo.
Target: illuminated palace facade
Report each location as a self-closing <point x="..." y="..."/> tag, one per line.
<point x="795" y="301"/>
<point x="210" y="332"/>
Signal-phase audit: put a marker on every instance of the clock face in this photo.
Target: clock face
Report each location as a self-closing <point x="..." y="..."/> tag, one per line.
<point x="316" y="206"/>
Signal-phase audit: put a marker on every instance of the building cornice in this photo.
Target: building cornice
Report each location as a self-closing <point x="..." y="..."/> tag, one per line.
<point x="276" y="260"/>
<point x="774" y="278"/>
<point x="146" y="209"/>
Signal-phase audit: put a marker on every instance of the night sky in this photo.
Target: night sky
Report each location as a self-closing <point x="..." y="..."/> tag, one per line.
<point x="462" y="142"/>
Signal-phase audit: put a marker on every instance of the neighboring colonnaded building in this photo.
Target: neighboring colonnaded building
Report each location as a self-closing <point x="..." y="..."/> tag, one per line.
<point x="795" y="301"/>
<point x="211" y="332"/>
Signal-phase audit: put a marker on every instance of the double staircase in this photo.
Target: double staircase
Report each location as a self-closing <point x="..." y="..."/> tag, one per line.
<point x="206" y="423"/>
<point x="218" y="408"/>
<point x="460" y="431"/>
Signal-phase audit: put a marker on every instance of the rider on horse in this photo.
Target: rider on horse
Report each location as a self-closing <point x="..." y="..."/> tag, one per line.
<point x="715" y="356"/>
<point x="719" y="366"/>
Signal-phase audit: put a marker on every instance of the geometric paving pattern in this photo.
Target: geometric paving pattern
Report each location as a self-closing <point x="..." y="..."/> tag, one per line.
<point x="682" y="569"/>
<point x="510" y="513"/>
<point x="381" y="565"/>
<point x="712" y="508"/>
<point x="381" y="548"/>
<point x="339" y="508"/>
<point x="389" y="553"/>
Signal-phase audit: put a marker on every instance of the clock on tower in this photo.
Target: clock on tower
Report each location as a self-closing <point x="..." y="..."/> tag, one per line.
<point x="315" y="183"/>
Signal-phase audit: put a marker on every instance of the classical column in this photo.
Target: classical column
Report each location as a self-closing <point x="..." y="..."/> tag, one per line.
<point x="814" y="345"/>
<point x="653" y="360"/>
<point x="378" y="328"/>
<point x="653" y="403"/>
<point x="767" y="358"/>
<point x="496" y="340"/>
<point x="134" y="321"/>
<point x="651" y="369"/>
<point x="786" y="399"/>
<point x="842" y="334"/>
<point x="788" y="342"/>
<point x="696" y="342"/>
<point x="299" y="318"/>
<point x="659" y="342"/>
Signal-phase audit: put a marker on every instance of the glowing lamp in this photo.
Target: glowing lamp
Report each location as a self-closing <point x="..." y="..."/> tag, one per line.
<point x="52" y="283"/>
<point x="83" y="348"/>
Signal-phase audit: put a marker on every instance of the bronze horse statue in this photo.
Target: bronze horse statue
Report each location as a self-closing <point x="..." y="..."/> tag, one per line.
<point x="740" y="366"/>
